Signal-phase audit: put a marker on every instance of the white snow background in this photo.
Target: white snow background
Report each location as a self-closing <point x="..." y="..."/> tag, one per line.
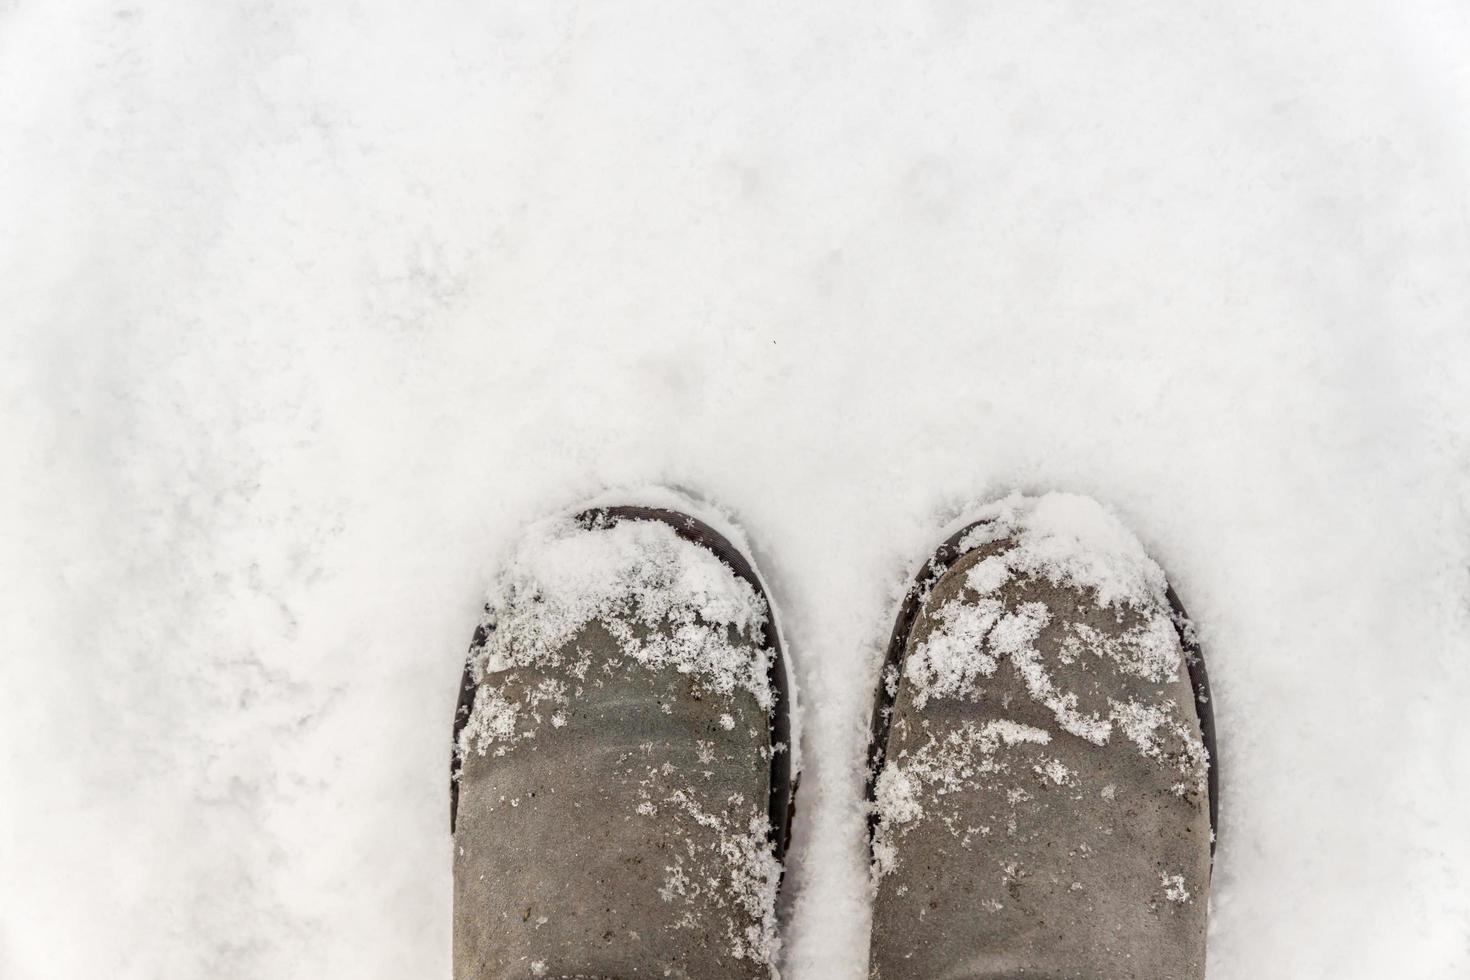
<point x="306" y="309"/>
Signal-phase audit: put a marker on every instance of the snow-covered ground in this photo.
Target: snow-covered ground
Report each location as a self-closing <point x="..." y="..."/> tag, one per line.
<point x="306" y="309"/>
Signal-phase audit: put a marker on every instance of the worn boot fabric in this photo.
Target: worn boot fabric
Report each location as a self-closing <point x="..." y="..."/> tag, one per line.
<point x="1042" y="792"/>
<point x="614" y="764"/>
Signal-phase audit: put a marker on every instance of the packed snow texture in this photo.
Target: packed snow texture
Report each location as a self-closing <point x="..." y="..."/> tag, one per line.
<point x="308" y="309"/>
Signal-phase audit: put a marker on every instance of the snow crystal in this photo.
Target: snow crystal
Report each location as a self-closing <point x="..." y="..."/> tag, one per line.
<point x="493" y="720"/>
<point x="1028" y="663"/>
<point x="916" y="779"/>
<point x="898" y="795"/>
<point x="1174" y="888"/>
<point x="734" y="869"/>
<point x="1149" y="651"/>
<point x="953" y="656"/>
<point x="1056" y="771"/>
<point x="1158" y="733"/>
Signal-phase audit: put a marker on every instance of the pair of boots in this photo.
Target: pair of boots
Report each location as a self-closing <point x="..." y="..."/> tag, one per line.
<point x="1042" y="787"/>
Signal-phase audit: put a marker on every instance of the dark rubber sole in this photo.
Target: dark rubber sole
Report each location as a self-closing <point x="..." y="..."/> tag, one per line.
<point x="946" y="555"/>
<point x="783" y="789"/>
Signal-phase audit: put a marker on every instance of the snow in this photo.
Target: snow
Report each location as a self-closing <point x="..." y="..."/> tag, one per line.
<point x="307" y="311"/>
<point x="952" y="659"/>
<point x="915" y="784"/>
<point x="1068" y="539"/>
<point x="748" y="876"/>
<point x="942" y="767"/>
<point x="1174" y="889"/>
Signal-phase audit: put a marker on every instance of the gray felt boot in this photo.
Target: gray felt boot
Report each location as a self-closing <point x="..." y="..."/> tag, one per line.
<point x="1043" y="760"/>
<point x="621" y="787"/>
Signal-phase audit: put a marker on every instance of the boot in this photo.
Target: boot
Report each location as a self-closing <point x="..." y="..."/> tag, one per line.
<point x="1043" y="780"/>
<point x="620" y="791"/>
